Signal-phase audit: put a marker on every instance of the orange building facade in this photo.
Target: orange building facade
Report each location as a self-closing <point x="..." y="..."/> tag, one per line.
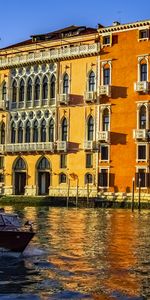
<point x="74" y="116"/>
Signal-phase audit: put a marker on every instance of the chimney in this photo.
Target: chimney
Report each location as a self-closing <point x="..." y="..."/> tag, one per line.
<point x="115" y="23"/>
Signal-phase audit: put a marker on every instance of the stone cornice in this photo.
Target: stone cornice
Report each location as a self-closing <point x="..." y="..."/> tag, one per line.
<point x="123" y="27"/>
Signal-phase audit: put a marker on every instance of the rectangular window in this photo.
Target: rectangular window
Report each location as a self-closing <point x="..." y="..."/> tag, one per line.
<point x="1" y="162"/>
<point x="143" y="34"/>
<point x="63" y="161"/>
<point x="89" y="160"/>
<point x="106" y="79"/>
<point x="106" y="40"/>
<point x="141" y="152"/>
<point x="104" y="152"/>
<point x="103" y="178"/>
<point x="141" y="177"/>
<point x="1" y="178"/>
<point x="143" y="73"/>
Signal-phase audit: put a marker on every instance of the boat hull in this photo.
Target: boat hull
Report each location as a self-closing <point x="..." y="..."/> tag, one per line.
<point x="15" y="241"/>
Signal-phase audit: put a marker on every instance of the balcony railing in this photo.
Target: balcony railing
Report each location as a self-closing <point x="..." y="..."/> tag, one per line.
<point x="140" y="134"/>
<point x="50" y="55"/>
<point x="103" y="136"/>
<point x="64" y="99"/>
<point x="89" y="145"/>
<point x="30" y="147"/>
<point x="90" y="96"/>
<point x="141" y="86"/>
<point x="105" y="90"/>
<point x="61" y="145"/>
<point x="2" y="148"/>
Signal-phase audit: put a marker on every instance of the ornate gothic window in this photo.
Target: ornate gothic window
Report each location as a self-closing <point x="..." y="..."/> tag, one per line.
<point x="37" y="89"/>
<point x="64" y="129"/>
<point x="43" y="164"/>
<point x="143" y="72"/>
<point x="106" y="119"/>
<point x="20" y="164"/>
<point x="90" y="128"/>
<point x="14" y="91"/>
<point x="27" y="132"/>
<point x="43" y="131"/>
<point x="20" y="132"/>
<point x="52" y="86"/>
<point x="45" y="88"/>
<point x="2" y="133"/>
<point x="21" y="91"/>
<point x="51" y="130"/>
<point x="106" y="75"/>
<point x="29" y="89"/>
<point x="35" y="131"/>
<point x="91" y="81"/>
<point x="4" y="91"/>
<point x="65" y="84"/>
<point x="13" y="133"/>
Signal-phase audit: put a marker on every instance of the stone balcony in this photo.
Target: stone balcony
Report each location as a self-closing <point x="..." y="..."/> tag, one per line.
<point x="105" y="90"/>
<point x="62" y="145"/>
<point x="90" y="96"/>
<point x="142" y="86"/>
<point x="29" y="147"/>
<point x="89" y="145"/>
<point x="49" y="55"/>
<point x="103" y="136"/>
<point x="140" y="134"/>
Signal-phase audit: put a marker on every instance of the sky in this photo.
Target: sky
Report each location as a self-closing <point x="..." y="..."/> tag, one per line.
<point x="19" y="19"/>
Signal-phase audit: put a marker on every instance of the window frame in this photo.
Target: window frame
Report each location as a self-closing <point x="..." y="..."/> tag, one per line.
<point x="89" y="160"/>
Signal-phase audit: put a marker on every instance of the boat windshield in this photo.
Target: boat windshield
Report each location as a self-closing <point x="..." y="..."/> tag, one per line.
<point x="9" y="219"/>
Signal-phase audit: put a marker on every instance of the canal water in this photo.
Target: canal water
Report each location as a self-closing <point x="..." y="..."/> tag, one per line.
<point x="76" y="254"/>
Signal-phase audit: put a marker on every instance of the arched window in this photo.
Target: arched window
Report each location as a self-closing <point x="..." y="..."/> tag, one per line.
<point x="14" y="91"/>
<point x="4" y="91"/>
<point x="88" y="178"/>
<point x="29" y="89"/>
<point x="142" y="117"/>
<point x="13" y="133"/>
<point x="91" y="81"/>
<point x="35" y="131"/>
<point x="43" y="131"/>
<point x="21" y="91"/>
<point x="2" y="133"/>
<point x="51" y="130"/>
<point x="27" y="132"/>
<point x="20" y="132"/>
<point x="37" y="89"/>
<point x="43" y="164"/>
<point x="65" y="84"/>
<point x="64" y="129"/>
<point x="143" y="72"/>
<point x="106" y="120"/>
<point x="62" y="178"/>
<point x="45" y="88"/>
<point x="20" y="164"/>
<point x="90" y="128"/>
<point x="52" y="86"/>
<point x="106" y="75"/>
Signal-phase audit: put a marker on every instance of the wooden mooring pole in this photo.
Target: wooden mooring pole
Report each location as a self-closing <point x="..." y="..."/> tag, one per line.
<point x="139" y="197"/>
<point x="133" y="180"/>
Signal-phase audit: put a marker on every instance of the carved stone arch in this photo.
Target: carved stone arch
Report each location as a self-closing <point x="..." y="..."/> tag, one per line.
<point x="20" y="171"/>
<point x="13" y="81"/>
<point x="43" y="171"/>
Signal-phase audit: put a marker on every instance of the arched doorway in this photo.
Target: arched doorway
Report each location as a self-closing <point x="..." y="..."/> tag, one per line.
<point x="20" y="177"/>
<point x="43" y="169"/>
